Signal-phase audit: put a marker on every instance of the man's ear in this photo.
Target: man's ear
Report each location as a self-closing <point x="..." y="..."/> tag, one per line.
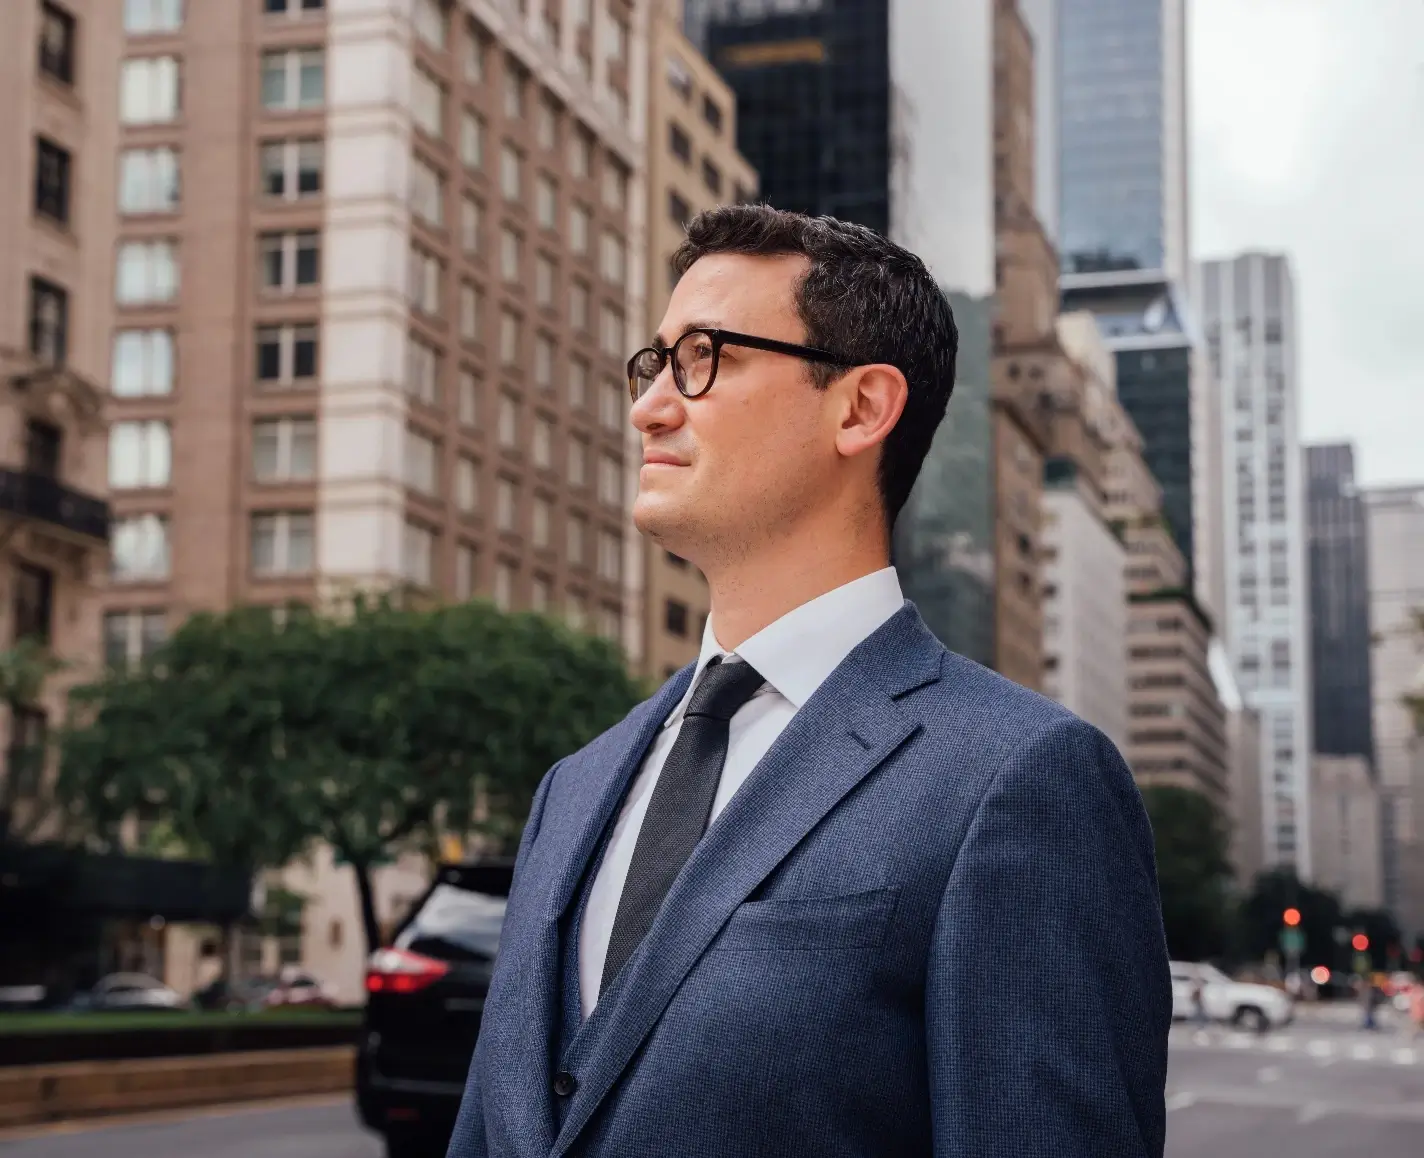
<point x="873" y="398"/>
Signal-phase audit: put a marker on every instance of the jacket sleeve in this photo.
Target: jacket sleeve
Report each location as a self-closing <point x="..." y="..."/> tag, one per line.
<point x="468" y="1139"/>
<point x="1048" y="997"/>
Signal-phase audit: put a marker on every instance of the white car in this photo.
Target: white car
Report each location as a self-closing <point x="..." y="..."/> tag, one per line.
<point x="1241" y="1003"/>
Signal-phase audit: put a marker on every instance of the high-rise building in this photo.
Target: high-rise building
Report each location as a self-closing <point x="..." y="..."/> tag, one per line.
<point x="1395" y="518"/>
<point x="1248" y="311"/>
<point x="1345" y="830"/>
<point x="1339" y="603"/>
<point x="1243" y="743"/>
<point x="59" y="63"/>
<point x="693" y="164"/>
<point x="880" y="112"/>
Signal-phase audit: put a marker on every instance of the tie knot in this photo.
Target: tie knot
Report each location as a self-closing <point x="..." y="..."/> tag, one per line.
<point x="724" y="688"/>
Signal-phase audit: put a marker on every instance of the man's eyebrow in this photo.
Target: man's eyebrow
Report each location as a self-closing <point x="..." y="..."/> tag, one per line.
<point x="660" y="342"/>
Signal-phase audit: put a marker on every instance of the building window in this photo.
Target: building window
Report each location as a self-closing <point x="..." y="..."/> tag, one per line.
<point x="286" y="354"/>
<point x="611" y="258"/>
<point x="144" y="17"/>
<point x="142" y="363"/>
<point x="615" y="32"/>
<point x="578" y="462"/>
<point x="130" y="637"/>
<point x="578" y="228"/>
<point x="44" y="449"/>
<point x="615" y="185"/>
<point x="541" y="448"/>
<point x="471" y="223"/>
<point x="147" y="273"/>
<point x="508" y="423"/>
<point x="543" y="361"/>
<point x="149" y="90"/>
<point x="504" y="585"/>
<point x="422" y="371"/>
<point x="138" y="548"/>
<point x="467" y="486"/>
<point x="428" y="19"/>
<point x="678" y="209"/>
<point x="546" y="201"/>
<point x="29" y="746"/>
<point x="34" y="602"/>
<point x="541" y="594"/>
<point x="508" y="338"/>
<point x="712" y="113"/>
<point x="610" y="555"/>
<point x="289" y="261"/>
<point x="49" y="322"/>
<point x="148" y="181"/>
<point x="679" y="143"/>
<point x="140" y="455"/>
<point x="292" y="8"/>
<point x="468" y="402"/>
<point x="425" y="277"/>
<point x="427" y="101"/>
<point x="505" y="503"/>
<point x="51" y="181"/>
<point x="464" y="572"/>
<point x="470" y="312"/>
<point x="294" y="78"/>
<point x="515" y="81"/>
<point x="679" y="78"/>
<point x="472" y="139"/>
<point x="57" y="32"/>
<point x="711" y="177"/>
<point x="578" y="384"/>
<point x="546" y="123"/>
<point x="576" y="533"/>
<point x="611" y="330"/>
<point x="610" y="481"/>
<point x="476" y="50"/>
<point x="427" y="193"/>
<point x="283" y="449"/>
<point x="509" y="163"/>
<point x="422" y="463"/>
<point x="578" y="306"/>
<point x="418" y="555"/>
<point x="283" y="543"/>
<point x="675" y="618"/>
<point x="612" y="404"/>
<point x="543" y="280"/>
<point x="511" y="247"/>
<point x="581" y="152"/>
<point x="539" y="519"/>
<point x="292" y="169"/>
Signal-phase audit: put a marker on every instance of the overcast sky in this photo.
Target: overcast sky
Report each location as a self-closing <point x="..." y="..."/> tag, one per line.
<point x="1308" y="139"/>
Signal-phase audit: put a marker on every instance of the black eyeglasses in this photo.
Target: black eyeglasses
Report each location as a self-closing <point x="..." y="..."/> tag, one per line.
<point x="695" y="355"/>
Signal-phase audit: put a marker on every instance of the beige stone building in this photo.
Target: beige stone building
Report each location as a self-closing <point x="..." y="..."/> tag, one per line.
<point x="693" y="164"/>
<point x="1345" y="830"/>
<point x="58" y="73"/>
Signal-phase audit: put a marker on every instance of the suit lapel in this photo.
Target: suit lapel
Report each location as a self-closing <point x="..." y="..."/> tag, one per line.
<point x="839" y="737"/>
<point x="597" y="779"/>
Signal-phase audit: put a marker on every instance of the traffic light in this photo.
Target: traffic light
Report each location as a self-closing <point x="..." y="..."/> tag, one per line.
<point x="1292" y="917"/>
<point x="1360" y="942"/>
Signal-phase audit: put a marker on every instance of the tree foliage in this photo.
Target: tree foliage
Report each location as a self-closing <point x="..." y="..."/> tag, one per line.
<point x="1193" y="872"/>
<point x="372" y="731"/>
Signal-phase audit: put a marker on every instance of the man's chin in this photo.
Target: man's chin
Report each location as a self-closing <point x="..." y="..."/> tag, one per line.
<point x="659" y="516"/>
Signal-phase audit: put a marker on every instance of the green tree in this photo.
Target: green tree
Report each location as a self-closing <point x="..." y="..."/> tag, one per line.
<point x="25" y="669"/>
<point x="1193" y="872"/>
<point x="372" y="731"/>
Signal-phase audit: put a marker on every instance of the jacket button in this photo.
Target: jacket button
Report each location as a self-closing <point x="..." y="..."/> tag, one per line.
<point x="565" y="1083"/>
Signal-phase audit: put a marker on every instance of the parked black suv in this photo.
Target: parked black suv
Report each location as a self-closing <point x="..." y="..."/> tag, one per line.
<point x="425" y="995"/>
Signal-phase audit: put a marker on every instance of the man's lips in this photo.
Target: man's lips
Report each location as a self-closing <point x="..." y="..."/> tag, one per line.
<point x="661" y="458"/>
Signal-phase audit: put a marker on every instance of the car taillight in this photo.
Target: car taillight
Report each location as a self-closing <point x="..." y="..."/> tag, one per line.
<point x="398" y="971"/>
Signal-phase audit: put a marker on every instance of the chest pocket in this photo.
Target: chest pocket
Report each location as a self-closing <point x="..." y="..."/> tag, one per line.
<point x="850" y="921"/>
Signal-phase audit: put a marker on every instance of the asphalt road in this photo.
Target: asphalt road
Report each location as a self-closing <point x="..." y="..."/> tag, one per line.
<point x="1317" y="1089"/>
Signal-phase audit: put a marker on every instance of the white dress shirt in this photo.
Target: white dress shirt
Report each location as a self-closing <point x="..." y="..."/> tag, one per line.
<point x="796" y="655"/>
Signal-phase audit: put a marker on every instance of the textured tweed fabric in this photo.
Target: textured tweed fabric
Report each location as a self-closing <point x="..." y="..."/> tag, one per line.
<point x="927" y="924"/>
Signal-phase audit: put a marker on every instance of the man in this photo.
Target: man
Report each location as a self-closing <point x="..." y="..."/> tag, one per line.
<point x="833" y="890"/>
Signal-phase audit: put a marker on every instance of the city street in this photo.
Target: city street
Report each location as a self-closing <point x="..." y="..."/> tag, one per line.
<point x="1316" y="1089"/>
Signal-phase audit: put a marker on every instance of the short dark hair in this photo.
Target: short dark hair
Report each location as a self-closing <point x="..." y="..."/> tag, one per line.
<point x="864" y="298"/>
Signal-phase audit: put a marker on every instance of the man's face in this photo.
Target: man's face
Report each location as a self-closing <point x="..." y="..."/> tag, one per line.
<point x="734" y="466"/>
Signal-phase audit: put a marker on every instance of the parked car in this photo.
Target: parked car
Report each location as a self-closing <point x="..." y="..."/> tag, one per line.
<point x="1241" y="1003"/>
<point x="22" y="998"/>
<point x="230" y="996"/>
<point x="425" y="996"/>
<point x="296" y="987"/>
<point x="128" y="992"/>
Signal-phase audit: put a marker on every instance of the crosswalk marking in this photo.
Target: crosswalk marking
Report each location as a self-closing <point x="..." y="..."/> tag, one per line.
<point x="1281" y="1043"/>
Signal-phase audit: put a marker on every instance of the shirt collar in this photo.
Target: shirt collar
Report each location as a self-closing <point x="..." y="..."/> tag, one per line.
<point x="798" y="652"/>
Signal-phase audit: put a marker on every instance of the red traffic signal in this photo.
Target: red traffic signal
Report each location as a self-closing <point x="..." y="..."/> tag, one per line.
<point x="1360" y="942"/>
<point x="1292" y="917"/>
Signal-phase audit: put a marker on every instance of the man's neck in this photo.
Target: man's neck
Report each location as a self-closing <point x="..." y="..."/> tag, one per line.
<point x="756" y="590"/>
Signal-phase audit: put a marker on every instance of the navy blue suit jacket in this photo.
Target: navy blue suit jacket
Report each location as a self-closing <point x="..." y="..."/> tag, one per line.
<point x="927" y="924"/>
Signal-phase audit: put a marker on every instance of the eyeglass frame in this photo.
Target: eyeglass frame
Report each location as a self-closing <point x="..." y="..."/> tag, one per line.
<point x="667" y="356"/>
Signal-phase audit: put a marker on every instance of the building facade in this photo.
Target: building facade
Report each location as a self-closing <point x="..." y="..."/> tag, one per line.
<point x="1395" y="520"/>
<point x="1338" y="552"/>
<point x="58" y="69"/>
<point x="1243" y="744"/>
<point x="839" y="110"/>
<point x="1248" y="309"/>
<point x="693" y="164"/>
<point x="1345" y="830"/>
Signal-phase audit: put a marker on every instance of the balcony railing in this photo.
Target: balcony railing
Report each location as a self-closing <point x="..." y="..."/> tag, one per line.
<point x="36" y="496"/>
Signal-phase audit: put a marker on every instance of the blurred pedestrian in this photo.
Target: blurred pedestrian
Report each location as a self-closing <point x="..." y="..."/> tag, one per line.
<point x="1199" y="1003"/>
<point x="1369" y="998"/>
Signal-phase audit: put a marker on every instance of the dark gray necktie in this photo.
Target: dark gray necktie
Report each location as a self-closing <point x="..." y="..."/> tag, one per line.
<point x="680" y="806"/>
